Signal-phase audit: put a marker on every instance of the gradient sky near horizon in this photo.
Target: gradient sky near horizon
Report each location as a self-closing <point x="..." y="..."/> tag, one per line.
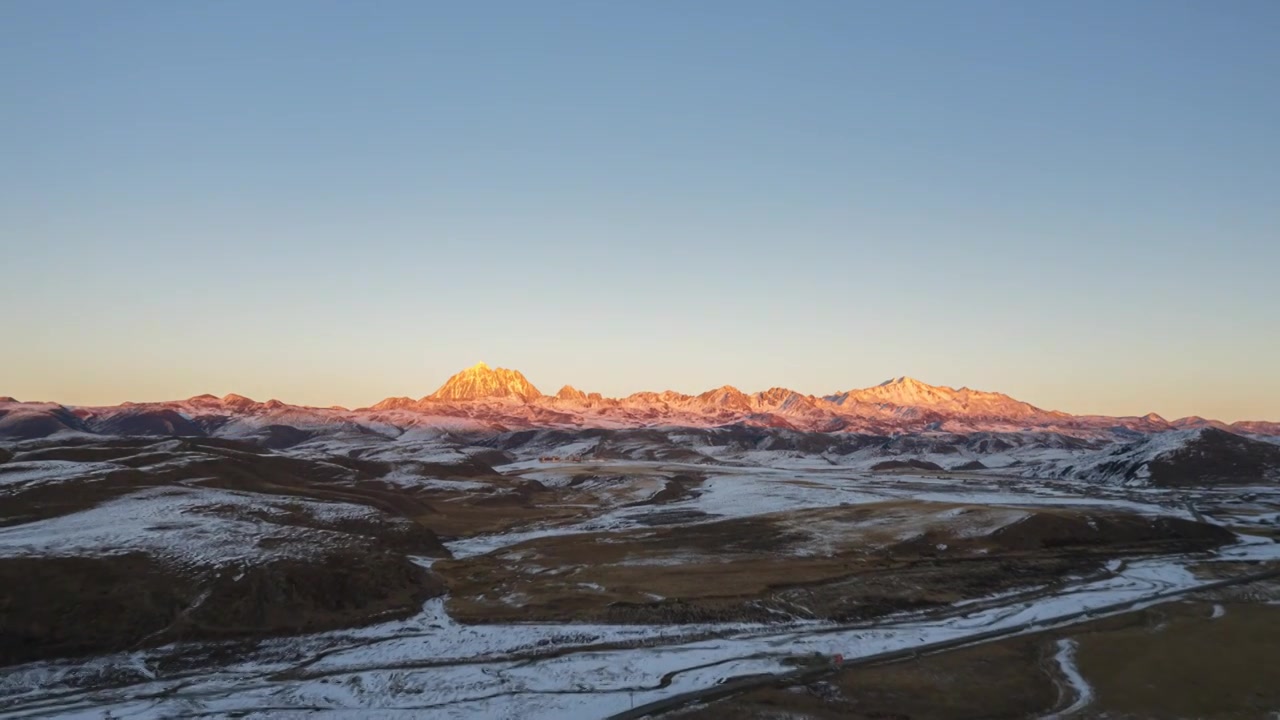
<point x="1076" y="203"/>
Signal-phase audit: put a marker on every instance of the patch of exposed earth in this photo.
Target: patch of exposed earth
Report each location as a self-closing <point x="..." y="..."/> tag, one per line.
<point x="1188" y="659"/>
<point x="842" y="564"/>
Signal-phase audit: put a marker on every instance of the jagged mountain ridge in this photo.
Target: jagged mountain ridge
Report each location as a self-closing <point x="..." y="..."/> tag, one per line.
<point x="483" y="398"/>
<point x="909" y="393"/>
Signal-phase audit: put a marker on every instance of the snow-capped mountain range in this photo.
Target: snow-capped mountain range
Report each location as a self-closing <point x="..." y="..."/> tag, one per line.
<point x="483" y="398"/>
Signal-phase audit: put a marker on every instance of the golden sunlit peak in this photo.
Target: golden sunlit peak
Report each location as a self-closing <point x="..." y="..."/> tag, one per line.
<point x="481" y="381"/>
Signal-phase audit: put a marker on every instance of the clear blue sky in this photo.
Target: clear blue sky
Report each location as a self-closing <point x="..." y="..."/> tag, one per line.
<point x="1077" y="203"/>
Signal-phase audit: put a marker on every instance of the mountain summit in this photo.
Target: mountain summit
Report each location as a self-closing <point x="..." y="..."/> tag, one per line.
<point x="907" y="392"/>
<point x="569" y="392"/>
<point x="480" y="382"/>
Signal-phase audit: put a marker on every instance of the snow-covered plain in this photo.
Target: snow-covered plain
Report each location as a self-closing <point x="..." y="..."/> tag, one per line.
<point x="430" y="666"/>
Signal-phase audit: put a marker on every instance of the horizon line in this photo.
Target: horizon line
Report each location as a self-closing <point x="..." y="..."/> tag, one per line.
<point x="483" y="365"/>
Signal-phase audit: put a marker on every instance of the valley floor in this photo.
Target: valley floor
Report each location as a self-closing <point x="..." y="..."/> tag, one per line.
<point x="742" y="571"/>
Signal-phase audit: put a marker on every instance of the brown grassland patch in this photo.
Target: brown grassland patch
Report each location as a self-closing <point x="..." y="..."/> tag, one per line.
<point x="1170" y="661"/>
<point x="841" y="563"/>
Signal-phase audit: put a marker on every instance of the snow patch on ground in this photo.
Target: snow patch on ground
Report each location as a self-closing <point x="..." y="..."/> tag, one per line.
<point x="1066" y="659"/>
<point x="20" y="474"/>
<point x="187" y="526"/>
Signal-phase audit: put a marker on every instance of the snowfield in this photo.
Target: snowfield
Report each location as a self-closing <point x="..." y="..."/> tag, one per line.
<point x="188" y="527"/>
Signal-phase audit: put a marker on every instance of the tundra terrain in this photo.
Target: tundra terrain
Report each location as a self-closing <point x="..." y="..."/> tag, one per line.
<point x="176" y="562"/>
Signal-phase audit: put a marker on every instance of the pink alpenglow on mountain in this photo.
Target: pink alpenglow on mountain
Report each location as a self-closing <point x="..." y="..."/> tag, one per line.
<point x="485" y="399"/>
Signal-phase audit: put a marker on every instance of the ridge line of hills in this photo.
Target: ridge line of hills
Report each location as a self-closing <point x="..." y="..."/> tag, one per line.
<point x="483" y="398"/>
